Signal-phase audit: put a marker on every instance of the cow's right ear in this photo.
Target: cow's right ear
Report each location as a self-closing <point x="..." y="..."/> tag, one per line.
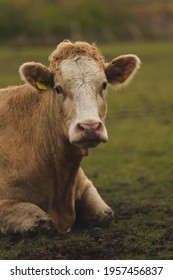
<point x="37" y="75"/>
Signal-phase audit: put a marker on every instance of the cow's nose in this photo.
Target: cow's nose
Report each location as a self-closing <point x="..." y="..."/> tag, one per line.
<point x="88" y="131"/>
<point x="89" y="126"/>
<point x="91" y="131"/>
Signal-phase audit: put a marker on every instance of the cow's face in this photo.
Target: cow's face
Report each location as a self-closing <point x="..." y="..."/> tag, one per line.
<point x="83" y="84"/>
<point x="79" y="86"/>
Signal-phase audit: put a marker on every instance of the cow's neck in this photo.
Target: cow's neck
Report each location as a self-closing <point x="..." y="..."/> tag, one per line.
<point x="65" y="160"/>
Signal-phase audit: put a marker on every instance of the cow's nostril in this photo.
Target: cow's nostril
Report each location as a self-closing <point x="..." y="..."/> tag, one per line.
<point x="89" y="126"/>
<point x="81" y="127"/>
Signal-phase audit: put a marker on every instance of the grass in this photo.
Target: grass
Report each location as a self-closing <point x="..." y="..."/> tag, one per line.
<point x="133" y="171"/>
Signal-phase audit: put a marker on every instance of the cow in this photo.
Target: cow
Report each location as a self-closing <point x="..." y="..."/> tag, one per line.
<point x="47" y="125"/>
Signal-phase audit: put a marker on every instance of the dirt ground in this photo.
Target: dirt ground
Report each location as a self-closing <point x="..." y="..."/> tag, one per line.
<point x="123" y="241"/>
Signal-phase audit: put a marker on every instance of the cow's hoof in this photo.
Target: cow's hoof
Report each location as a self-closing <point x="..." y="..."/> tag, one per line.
<point x="42" y="226"/>
<point x="103" y="219"/>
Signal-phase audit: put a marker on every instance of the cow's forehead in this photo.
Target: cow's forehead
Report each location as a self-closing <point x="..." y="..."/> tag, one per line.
<point x="81" y="69"/>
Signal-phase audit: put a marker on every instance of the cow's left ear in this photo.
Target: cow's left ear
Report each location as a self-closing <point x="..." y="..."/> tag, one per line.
<point x="37" y="75"/>
<point x="121" y="70"/>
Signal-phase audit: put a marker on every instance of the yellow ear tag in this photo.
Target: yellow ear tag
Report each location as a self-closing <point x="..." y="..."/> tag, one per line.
<point x="41" y="86"/>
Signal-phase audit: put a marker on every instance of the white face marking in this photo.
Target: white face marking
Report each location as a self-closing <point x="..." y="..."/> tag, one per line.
<point x="83" y="78"/>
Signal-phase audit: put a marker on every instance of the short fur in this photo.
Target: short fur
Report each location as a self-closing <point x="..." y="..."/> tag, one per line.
<point x="41" y="180"/>
<point x="68" y="50"/>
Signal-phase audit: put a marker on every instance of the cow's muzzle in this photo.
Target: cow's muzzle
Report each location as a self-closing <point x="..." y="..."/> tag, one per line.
<point x="88" y="134"/>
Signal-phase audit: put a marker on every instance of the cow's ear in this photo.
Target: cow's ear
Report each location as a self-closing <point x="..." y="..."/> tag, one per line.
<point x="121" y="70"/>
<point x="37" y="75"/>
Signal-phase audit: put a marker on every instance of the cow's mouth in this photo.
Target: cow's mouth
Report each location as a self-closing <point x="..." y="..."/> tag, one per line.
<point x="84" y="143"/>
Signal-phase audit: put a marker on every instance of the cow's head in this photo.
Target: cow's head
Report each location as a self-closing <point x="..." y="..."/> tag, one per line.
<point x="78" y="78"/>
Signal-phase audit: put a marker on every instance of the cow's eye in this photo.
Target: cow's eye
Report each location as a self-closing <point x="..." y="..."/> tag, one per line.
<point x="104" y="86"/>
<point x="58" y="89"/>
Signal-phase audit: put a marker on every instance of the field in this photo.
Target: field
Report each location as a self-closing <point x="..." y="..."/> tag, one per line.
<point x="133" y="171"/>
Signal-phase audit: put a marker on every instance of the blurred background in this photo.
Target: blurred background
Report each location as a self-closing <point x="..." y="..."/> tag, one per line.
<point x="48" y="21"/>
<point x="134" y="170"/>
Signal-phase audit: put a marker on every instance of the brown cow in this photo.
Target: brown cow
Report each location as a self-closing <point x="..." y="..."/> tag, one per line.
<point x="47" y="125"/>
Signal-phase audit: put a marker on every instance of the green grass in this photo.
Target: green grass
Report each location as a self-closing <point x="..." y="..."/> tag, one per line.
<point x="133" y="171"/>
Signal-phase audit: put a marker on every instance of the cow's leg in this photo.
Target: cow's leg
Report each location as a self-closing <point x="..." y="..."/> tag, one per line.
<point x="23" y="217"/>
<point x="90" y="206"/>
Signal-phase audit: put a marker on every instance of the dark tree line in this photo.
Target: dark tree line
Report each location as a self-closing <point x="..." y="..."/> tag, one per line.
<point x="46" y="21"/>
